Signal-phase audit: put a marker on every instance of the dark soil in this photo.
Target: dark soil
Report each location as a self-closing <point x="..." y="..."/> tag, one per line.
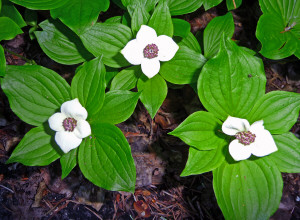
<point x="39" y="192"/>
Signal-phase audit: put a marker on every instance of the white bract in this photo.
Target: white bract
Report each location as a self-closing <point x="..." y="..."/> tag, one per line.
<point x="148" y="49"/>
<point x="254" y="139"/>
<point x="70" y="125"/>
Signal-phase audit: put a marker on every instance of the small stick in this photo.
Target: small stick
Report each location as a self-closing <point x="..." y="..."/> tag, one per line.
<point x="234" y="4"/>
<point x="7" y="189"/>
<point x="20" y="56"/>
<point x="98" y="216"/>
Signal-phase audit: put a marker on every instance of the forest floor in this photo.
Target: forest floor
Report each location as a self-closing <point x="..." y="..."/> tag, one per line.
<point x="39" y="192"/>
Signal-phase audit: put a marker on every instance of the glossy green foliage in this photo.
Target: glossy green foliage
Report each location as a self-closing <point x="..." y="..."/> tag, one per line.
<point x="182" y="28"/>
<point x="231" y="82"/>
<point x="201" y="161"/>
<point x="184" y="68"/>
<point x="88" y="85"/>
<point x="40" y="4"/>
<point x="201" y="130"/>
<point x="214" y="32"/>
<point x="2" y="61"/>
<point x="118" y="106"/>
<point x="61" y="44"/>
<point x="278" y="109"/>
<point x="231" y="4"/>
<point x="34" y="92"/>
<point x="147" y="4"/>
<point x="153" y="93"/>
<point x="250" y="189"/>
<point x="180" y="7"/>
<point x="161" y="20"/>
<point x="105" y="159"/>
<point x="107" y="40"/>
<point x="68" y="162"/>
<point x="126" y="79"/>
<point x="278" y="29"/>
<point x="8" y="29"/>
<point x="10" y="11"/>
<point x="139" y="16"/>
<point x="80" y="15"/>
<point x="191" y="42"/>
<point x="288" y="154"/>
<point x="36" y="148"/>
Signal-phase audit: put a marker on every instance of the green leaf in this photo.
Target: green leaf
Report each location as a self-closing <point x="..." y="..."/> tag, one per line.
<point x="34" y="92"/>
<point x="182" y="28"/>
<point x="278" y="7"/>
<point x="233" y="4"/>
<point x="40" y="4"/>
<point x="118" y="106"/>
<point x="31" y="32"/>
<point x="251" y="52"/>
<point x="275" y="45"/>
<point x="154" y="91"/>
<point x="108" y="39"/>
<point x="8" y="29"/>
<point x="288" y="154"/>
<point x="161" y="20"/>
<point x="110" y="74"/>
<point x="184" y="68"/>
<point x="214" y="31"/>
<point x="126" y="19"/>
<point x="147" y="4"/>
<point x="191" y="42"/>
<point x="202" y="161"/>
<point x="231" y="82"/>
<point x="248" y="189"/>
<point x="180" y="7"/>
<point x="278" y="29"/>
<point x="278" y="109"/>
<point x="297" y="52"/>
<point x="115" y="19"/>
<point x="126" y="79"/>
<point x="210" y="3"/>
<point x="201" y="130"/>
<point x="79" y="15"/>
<point x="2" y="61"/>
<point x="36" y="148"/>
<point x="9" y="10"/>
<point x="68" y="161"/>
<point x="139" y="17"/>
<point x="61" y="44"/>
<point x="105" y="159"/>
<point x="88" y="85"/>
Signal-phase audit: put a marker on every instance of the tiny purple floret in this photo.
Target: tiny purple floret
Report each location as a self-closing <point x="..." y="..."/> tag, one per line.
<point x="245" y="137"/>
<point x="69" y="124"/>
<point x="151" y="51"/>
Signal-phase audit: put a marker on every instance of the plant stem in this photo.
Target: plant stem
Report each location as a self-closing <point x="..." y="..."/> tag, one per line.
<point x="18" y="55"/>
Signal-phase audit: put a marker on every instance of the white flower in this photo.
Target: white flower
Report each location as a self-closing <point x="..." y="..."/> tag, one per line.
<point x="254" y="139"/>
<point x="70" y="125"/>
<point x="148" y="49"/>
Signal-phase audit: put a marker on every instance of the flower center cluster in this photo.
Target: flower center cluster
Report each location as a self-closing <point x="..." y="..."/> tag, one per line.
<point x="69" y="124"/>
<point x="245" y="137"/>
<point x="150" y="51"/>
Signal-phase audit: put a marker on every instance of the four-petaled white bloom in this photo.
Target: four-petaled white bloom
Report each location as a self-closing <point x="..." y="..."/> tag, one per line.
<point x="254" y="139"/>
<point x="148" y="49"/>
<point x="70" y="125"/>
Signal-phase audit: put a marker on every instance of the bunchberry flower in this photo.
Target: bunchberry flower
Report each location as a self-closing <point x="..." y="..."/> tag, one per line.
<point x="70" y="125"/>
<point x="148" y="50"/>
<point x="254" y="139"/>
